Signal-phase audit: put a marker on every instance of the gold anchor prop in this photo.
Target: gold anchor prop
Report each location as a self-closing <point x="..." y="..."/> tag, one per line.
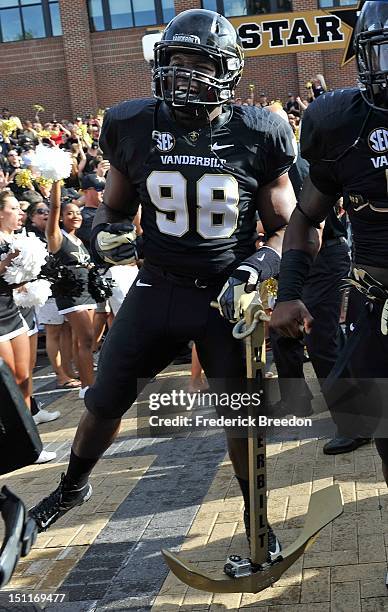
<point x="257" y="573"/>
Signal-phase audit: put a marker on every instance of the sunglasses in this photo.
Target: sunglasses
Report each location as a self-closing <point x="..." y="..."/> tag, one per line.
<point x="41" y="211"/>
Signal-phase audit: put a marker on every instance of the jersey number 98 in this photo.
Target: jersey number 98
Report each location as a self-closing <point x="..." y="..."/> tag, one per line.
<point x="217" y="204"/>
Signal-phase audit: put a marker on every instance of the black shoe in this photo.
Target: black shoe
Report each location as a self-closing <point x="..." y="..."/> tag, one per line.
<point x="274" y="546"/>
<point x="339" y="445"/>
<point x="301" y="409"/>
<point x="60" y="501"/>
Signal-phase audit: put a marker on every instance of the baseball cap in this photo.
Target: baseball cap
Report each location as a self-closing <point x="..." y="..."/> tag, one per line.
<point x="92" y="181"/>
<point x="72" y="193"/>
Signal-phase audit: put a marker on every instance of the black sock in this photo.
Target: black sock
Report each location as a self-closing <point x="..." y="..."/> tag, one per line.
<point x="244" y="486"/>
<point x="79" y="469"/>
<point x="34" y="406"/>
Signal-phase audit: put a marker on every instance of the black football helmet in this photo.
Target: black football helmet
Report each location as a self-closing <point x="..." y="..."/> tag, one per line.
<point x="371" y="48"/>
<point x="206" y="33"/>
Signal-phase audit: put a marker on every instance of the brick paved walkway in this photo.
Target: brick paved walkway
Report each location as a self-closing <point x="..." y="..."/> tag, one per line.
<point x="344" y="571"/>
<point x="154" y="493"/>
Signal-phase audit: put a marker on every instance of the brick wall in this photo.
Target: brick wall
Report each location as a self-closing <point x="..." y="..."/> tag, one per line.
<point x="78" y="56"/>
<point x="274" y="76"/>
<point x="336" y="76"/>
<point x="184" y="5"/>
<point x="83" y="71"/>
<point x="33" y="72"/>
<point x="120" y="69"/>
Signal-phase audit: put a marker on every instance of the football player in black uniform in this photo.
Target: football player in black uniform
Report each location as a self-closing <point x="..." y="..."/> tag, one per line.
<point x="202" y="169"/>
<point x="345" y="139"/>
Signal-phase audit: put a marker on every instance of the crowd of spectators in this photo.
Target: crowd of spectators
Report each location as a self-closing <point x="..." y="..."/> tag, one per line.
<point x="294" y="105"/>
<point x="70" y="344"/>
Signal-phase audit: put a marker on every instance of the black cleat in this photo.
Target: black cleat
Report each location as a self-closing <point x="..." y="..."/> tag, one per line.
<point x="60" y="501"/>
<point x="340" y="445"/>
<point x="302" y="408"/>
<point x="274" y="546"/>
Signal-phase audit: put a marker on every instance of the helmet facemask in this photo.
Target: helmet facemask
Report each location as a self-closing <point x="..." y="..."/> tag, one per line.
<point x="371" y="47"/>
<point x="372" y="62"/>
<point x="185" y="88"/>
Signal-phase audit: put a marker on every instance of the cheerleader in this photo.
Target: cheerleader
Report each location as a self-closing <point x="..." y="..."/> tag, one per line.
<point x="14" y="343"/>
<point x="39" y="414"/>
<point x="70" y="252"/>
<point x="37" y="214"/>
<point x="58" y="332"/>
<point x="14" y="340"/>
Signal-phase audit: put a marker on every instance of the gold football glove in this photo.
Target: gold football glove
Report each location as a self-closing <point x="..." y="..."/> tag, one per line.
<point x="114" y="243"/>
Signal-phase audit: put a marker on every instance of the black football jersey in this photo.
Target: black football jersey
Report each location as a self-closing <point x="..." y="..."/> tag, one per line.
<point x="346" y="143"/>
<point x="197" y="187"/>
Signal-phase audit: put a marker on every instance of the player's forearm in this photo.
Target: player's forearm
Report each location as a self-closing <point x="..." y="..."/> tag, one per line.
<point x="301" y="235"/>
<point x="113" y="237"/>
<point x="304" y="232"/>
<point x="275" y="202"/>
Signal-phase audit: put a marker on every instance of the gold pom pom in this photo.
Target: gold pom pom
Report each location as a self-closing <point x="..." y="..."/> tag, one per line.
<point x="43" y="182"/>
<point x="24" y="179"/>
<point x="44" y="134"/>
<point x="272" y="287"/>
<point x="8" y="126"/>
<point x="82" y="131"/>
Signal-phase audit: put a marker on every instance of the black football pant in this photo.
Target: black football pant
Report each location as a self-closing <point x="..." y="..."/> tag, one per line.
<point x="368" y="366"/>
<point x="323" y="299"/>
<point x="157" y="319"/>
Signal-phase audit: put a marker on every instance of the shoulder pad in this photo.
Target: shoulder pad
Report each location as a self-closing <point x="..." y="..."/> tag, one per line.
<point x="250" y="115"/>
<point x="130" y="109"/>
<point x="331" y="124"/>
<point x="272" y="140"/>
<point x="264" y="126"/>
<point x="259" y="119"/>
<point x="124" y="126"/>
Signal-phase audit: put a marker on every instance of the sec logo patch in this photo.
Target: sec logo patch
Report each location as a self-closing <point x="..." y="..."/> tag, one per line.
<point x="378" y="140"/>
<point x="164" y="141"/>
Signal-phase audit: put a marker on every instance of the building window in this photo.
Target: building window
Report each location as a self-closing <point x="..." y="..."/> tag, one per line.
<point x="237" y="8"/>
<point x="331" y="3"/>
<point x="26" y="19"/>
<point x="116" y="14"/>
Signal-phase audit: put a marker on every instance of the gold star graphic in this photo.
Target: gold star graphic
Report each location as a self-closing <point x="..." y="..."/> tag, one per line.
<point x="348" y="18"/>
